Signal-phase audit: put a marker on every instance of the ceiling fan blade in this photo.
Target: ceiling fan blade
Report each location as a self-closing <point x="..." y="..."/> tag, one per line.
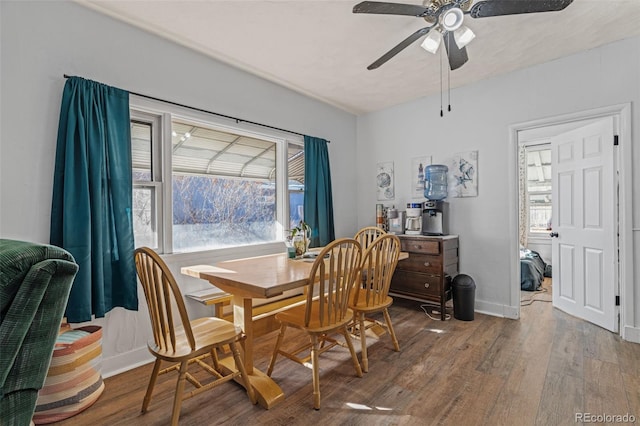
<point x="399" y="47"/>
<point x="384" y="8"/>
<point x="484" y="9"/>
<point x="457" y="56"/>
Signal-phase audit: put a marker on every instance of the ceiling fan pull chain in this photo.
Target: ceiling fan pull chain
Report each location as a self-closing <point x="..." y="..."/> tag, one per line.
<point x="449" y="87"/>
<point x="448" y="41"/>
<point x="441" y="54"/>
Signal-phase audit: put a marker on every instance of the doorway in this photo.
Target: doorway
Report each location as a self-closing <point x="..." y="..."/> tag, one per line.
<point x="544" y="131"/>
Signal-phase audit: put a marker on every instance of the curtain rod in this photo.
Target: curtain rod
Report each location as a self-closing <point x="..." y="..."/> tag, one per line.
<point x="237" y="120"/>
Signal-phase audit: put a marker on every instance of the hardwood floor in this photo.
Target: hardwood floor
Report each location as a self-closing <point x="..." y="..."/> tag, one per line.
<point x="541" y="370"/>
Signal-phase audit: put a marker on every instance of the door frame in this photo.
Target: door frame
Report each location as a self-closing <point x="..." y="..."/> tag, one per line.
<point x="621" y="114"/>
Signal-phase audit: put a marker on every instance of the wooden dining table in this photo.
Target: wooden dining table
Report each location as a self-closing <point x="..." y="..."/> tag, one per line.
<point x="262" y="277"/>
<point x="246" y="279"/>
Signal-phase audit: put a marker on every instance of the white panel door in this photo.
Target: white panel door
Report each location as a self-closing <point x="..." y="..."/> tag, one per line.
<point x="583" y="200"/>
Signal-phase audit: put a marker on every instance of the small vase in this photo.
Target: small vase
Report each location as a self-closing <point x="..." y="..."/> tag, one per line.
<point x="301" y="244"/>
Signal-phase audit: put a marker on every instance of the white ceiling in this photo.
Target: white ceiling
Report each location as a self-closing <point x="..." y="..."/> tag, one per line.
<point x="321" y="49"/>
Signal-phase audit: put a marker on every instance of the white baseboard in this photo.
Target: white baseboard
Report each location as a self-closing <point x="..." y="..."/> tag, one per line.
<point x="511" y="312"/>
<point x="120" y="363"/>
<point x="496" y="310"/>
<point x="631" y="334"/>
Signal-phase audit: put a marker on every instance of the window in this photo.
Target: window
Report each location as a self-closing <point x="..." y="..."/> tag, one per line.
<point x="224" y="191"/>
<point x="146" y="180"/>
<point x="226" y="186"/>
<point x="539" y="188"/>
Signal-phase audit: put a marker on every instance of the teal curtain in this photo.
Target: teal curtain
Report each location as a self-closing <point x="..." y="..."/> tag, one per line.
<point x="92" y="197"/>
<point x="318" y="198"/>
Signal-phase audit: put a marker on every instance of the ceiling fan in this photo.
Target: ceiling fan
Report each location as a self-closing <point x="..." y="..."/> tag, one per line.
<point x="446" y="22"/>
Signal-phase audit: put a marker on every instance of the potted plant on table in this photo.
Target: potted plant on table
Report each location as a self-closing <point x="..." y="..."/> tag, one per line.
<point x="300" y="237"/>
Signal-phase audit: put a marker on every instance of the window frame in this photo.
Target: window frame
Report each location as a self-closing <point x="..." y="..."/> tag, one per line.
<point x="157" y="179"/>
<point x="163" y="114"/>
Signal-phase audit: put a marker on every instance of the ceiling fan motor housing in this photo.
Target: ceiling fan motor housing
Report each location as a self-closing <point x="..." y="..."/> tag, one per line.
<point x="451" y="19"/>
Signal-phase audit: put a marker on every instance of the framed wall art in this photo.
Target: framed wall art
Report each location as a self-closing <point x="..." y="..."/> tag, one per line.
<point x="385" y="181"/>
<point x="418" y="165"/>
<point x="463" y="174"/>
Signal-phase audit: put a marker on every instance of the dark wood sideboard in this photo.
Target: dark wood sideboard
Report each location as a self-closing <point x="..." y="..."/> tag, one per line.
<point x="426" y="275"/>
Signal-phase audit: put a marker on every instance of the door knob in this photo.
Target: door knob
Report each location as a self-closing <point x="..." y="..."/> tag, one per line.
<point x="553" y="235"/>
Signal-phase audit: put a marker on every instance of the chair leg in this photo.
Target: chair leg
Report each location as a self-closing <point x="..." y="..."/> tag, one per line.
<point x="354" y="356"/>
<point x="387" y="318"/>
<point x="214" y="359"/>
<point x="243" y="372"/>
<point x="363" y="343"/>
<point x="152" y="383"/>
<point x="316" y="371"/>
<point x="177" y="400"/>
<point x="283" y="327"/>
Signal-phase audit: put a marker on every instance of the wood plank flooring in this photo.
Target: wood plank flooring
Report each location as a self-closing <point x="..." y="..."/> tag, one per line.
<point x="541" y="370"/>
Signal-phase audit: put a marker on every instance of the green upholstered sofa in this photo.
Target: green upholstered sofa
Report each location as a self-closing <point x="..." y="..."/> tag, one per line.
<point x="35" y="280"/>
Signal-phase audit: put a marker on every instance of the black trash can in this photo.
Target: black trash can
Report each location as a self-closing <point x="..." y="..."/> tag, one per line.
<point x="464" y="296"/>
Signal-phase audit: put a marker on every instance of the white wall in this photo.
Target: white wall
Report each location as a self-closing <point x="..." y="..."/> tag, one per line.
<point x="542" y="246"/>
<point x="480" y="119"/>
<point x="41" y="41"/>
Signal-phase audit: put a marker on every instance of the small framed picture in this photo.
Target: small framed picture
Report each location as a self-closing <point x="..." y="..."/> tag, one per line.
<point x="463" y="175"/>
<point x="418" y="165"/>
<point x="385" y="181"/>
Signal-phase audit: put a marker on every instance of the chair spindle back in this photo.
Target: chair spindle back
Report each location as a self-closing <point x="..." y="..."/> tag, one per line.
<point x="163" y="298"/>
<point x="332" y="278"/>
<point x="378" y="264"/>
<point x="367" y="235"/>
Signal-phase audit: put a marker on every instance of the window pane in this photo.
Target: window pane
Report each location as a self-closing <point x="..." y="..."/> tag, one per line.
<point x="539" y="189"/>
<point x="539" y="213"/>
<point x="141" y="151"/>
<point x="539" y="170"/>
<point x="145" y="223"/>
<point x="223" y="189"/>
<point x="145" y="229"/>
<point x="295" y="165"/>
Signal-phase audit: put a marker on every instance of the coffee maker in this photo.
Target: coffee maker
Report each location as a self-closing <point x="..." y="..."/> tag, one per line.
<point x="435" y="218"/>
<point x="396" y="221"/>
<point x="413" y="225"/>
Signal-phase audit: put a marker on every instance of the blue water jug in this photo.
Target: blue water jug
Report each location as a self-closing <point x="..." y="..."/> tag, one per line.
<point x="435" y="182"/>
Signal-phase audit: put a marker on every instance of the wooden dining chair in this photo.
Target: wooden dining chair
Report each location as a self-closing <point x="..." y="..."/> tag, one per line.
<point x="367" y="235"/>
<point x="180" y="341"/>
<point x="378" y="264"/>
<point x="326" y="311"/>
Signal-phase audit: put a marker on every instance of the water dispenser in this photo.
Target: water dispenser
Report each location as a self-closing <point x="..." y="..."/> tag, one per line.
<point x="435" y="212"/>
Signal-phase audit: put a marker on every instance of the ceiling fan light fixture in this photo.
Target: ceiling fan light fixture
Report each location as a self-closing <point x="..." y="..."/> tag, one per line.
<point x="452" y="19"/>
<point x="463" y="36"/>
<point x="432" y="42"/>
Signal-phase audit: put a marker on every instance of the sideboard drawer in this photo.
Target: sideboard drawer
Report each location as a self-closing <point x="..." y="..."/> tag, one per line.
<point x="420" y="246"/>
<point x="416" y="283"/>
<point x="422" y="263"/>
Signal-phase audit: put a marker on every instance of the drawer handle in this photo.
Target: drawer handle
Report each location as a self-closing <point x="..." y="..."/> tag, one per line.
<point x="419" y="247"/>
<point x="426" y="264"/>
<point x="426" y="285"/>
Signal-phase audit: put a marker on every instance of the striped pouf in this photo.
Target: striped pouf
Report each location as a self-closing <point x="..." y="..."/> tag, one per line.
<point x="74" y="381"/>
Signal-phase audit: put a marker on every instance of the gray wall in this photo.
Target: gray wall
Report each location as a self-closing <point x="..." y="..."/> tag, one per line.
<point x="41" y="41"/>
<point x="480" y="119"/>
